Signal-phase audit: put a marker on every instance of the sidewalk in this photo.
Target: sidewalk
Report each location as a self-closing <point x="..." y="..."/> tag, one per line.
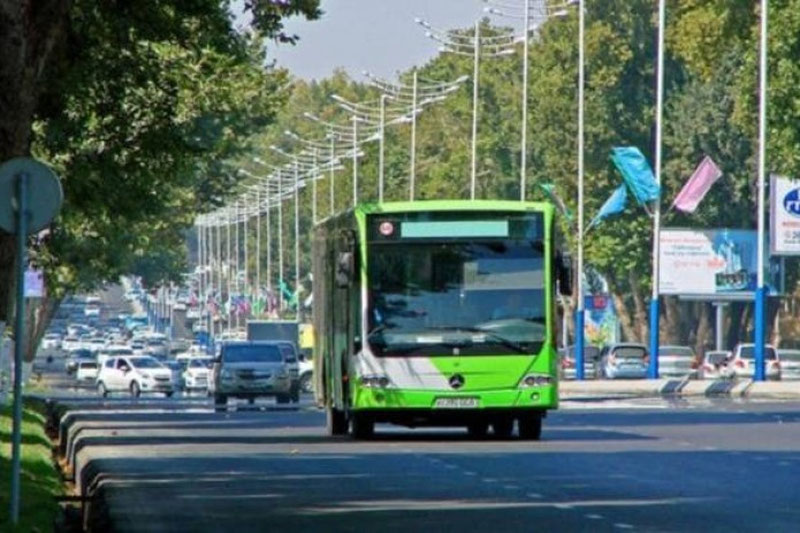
<point x="779" y="390"/>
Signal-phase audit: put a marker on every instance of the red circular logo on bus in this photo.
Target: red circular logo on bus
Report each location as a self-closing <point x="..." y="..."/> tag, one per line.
<point x="386" y="228"/>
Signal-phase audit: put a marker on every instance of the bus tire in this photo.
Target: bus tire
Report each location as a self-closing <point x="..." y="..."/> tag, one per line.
<point x="363" y="426"/>
<point x="335" y="422"/>
<point x="530" y="426"/>
<point x="478" y="430"/>
<point x="502" y="427"/>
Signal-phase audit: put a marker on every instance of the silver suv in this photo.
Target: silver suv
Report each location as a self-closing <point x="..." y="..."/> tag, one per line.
<point x="250" y="370"/>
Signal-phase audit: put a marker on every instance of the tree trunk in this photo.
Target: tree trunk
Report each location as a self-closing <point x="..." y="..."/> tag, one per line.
<point x="640" y="310"/>
<point x="29" y="33"/>
<point x="703" y="329"/>
<point x="671" y="327"/>
<point x="39" y="313"/>
<point x="625" y="321"/>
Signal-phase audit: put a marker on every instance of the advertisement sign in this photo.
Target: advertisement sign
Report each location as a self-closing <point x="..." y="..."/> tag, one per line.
<point x="784" y="221"/>
<point x="34" y="284"/>
<point x="712" y="263"/>
<point x="602" y="324"/>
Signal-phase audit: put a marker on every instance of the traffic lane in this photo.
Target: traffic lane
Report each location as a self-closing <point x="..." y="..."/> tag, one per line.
<point x="594" y="477"/>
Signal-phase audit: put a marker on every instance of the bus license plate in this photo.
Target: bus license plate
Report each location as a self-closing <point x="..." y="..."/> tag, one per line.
<point x="456" y="403"/>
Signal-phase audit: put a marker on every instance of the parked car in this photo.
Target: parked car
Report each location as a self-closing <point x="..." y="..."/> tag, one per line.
<point x="677" y="361"/>
<point x="306" y="369"/>
<point x="51" y="341"/>
<point x="76" y="356"/>
<point x="624" y="361"/>
<point x="70" y="343"/>
<point x="91" y="311"/>
<point x="743" y="361"/>
<point x="289" y="353"/>
<point x="86" y="371"/>
<point x="136" y="375"/>
<point x="156" y="347"/>
<point x="591" y="355"/>
<point x="177" y="373"/>
<point x="195" y="375"/>
<point x="249" y="369"/>
<point x="716" y="365"/>
<point x="790" y="363"/>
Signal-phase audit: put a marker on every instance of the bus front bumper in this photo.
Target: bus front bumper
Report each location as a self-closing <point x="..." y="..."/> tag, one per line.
<point x="541" y="398"/>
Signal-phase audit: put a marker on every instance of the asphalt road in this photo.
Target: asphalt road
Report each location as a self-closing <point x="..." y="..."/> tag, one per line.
<point x="641" y="465"/>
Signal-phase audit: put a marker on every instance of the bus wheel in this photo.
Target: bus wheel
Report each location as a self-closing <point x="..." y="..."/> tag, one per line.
<point x="530" y="426"/>
<point x="363" y="426"/>
<point x="502" y="427"/>
<point x="336" y="423"/>
<point x="478" y="430"/>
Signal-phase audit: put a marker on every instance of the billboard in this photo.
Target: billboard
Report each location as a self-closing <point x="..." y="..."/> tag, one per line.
<point x="602" y="323"/>
<point x="712" y="263"/>
<point x="784" y="220"/>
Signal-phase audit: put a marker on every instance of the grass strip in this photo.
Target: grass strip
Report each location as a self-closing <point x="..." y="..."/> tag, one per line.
<point x="40" y="482"/>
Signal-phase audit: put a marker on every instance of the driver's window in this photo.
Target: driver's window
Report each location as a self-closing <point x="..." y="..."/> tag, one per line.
<point x="122" y="364"/>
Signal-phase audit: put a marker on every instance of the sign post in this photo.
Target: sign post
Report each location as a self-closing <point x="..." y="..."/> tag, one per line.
<point x="23" y="213"/>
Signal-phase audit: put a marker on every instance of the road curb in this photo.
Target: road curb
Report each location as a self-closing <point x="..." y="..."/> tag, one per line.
<point x="747" y="389"/>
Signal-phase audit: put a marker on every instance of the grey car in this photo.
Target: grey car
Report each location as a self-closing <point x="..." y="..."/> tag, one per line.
<point x="591" y="356"/>
<point x="790" y="363"/>
<point x="250" y="370"/>
<point x="624" y="361"/>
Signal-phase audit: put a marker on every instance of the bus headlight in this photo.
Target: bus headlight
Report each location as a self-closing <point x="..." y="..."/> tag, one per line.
<point x="374" y="382"/>
<point x="535" y="380"/>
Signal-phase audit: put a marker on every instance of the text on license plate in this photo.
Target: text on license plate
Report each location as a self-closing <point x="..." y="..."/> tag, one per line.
<point x="456" y="403"/>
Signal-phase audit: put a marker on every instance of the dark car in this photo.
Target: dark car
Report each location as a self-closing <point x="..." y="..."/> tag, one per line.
<point x="591" y="354"/>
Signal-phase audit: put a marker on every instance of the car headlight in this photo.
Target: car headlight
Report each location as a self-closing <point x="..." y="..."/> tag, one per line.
<point x="226" y="374"/>
<point x="375" y="382"/>
<point x="535" y="380"/>
<point x="145" y="375"/>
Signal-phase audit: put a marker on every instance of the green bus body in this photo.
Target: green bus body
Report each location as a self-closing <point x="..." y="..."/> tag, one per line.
<point x="385" y="349"/>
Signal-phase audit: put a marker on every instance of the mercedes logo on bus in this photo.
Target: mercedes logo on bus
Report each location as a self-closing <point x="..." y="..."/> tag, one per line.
<point x="456" y="381"/>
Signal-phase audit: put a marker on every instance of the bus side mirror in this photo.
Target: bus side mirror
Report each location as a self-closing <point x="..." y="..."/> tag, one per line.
<point x="345" y="269"/>
<point x="564" y="274"/>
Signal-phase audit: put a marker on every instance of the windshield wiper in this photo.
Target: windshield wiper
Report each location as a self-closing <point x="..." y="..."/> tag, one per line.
<point x="508" y="343"/>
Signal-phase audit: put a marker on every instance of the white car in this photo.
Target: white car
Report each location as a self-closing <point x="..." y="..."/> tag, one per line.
<point x="790" y="363"/>
<point x="70" y="343"/>
<point x="91" y="311"/>
<point x="306" y="369"/>
<point x="134" y="374"/>
<point x="195" y="377"/>
<point x="743" y="361"/>
<point x="51" y="341"/>
<point x="86" y="371"/>
<point x="716" y="365"/>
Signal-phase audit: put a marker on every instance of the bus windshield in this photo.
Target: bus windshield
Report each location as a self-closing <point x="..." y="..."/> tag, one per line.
<point x="457" y="298"/>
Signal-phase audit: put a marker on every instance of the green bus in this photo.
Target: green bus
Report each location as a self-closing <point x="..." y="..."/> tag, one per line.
<point x="437" y="313"/>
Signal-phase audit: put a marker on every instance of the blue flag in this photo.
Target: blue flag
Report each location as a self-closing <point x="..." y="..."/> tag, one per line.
<point x="615" y="204"/>
<point x="636" y="173"/>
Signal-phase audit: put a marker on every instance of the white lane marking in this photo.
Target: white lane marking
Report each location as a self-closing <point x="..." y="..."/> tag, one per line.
<point x="534" y="495"/>
<point x="468" y="473"/>
<point x="622" y="525"/>
<point x="489" y="480"/>
<point x="592" y="516"/>
<point x="784" y="463"/>
<point x="510" y="487"/>
<point x="450" y="467"/>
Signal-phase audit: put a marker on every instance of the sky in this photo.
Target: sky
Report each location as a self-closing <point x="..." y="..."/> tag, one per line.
<point x="379" y="36"/>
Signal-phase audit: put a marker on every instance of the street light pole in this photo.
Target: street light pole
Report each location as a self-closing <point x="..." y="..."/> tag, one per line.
<point x="314" y="190"/>
<point x="296" y="239"/>
<point x="413" y="177"/>
<point x="332" y="179"/>
<point x="652" y="371"/>
<point x="524" y="147"/>
<point x="579" y="311"/>
<point x="475" y="67"/>
<point x="381" y="148"/>
<point x="258" y="243"/>
<point x="280" y="242"/>
<point x="761" y="289"/>
<point x="230" y="267"/>
<point x="355" y="160"/>
<point x="269" y="251"/>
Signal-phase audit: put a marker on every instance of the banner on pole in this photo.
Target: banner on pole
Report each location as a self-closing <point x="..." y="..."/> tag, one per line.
<point x="718" y="263"/>
<point x="784" y="219"/>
